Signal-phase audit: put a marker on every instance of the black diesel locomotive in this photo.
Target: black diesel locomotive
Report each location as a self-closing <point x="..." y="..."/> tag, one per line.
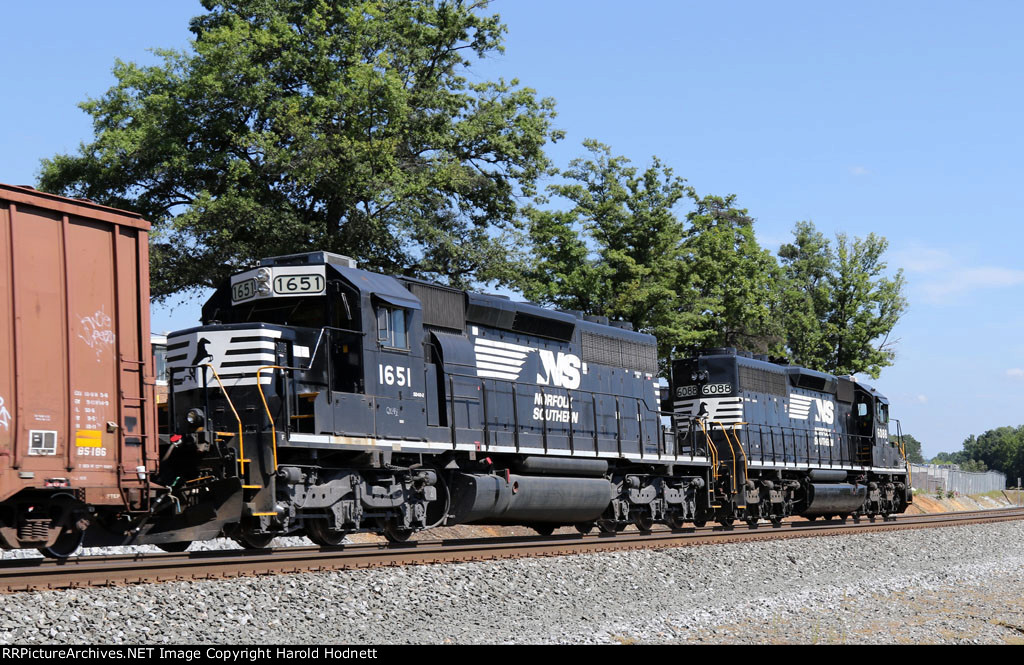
<point x="319" y="398"/>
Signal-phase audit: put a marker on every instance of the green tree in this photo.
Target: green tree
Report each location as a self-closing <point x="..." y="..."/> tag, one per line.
<point x="913" y="449"/>
<point x="728" y="280"/>
<point x="622" y="251"/>
<point x="342" y="125"/>
<point x="615" y="252"/>
<point x="957" y="457"/>
<point x="1001" y="449"/>
<point x="976" y="466"/>
<point x="840" y="306"/>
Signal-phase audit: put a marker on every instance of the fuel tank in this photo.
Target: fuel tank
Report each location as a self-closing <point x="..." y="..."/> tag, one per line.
<point x="834" y="498"/>
<point x="528" y="499"/>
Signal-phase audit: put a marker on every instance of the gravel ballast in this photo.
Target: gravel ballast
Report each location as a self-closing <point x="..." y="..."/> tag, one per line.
<point x="947" y="585"/>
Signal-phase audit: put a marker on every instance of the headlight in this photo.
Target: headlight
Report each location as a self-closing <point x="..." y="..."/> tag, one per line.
<point x="263" y="275"/>
<point x="195" y="417"/>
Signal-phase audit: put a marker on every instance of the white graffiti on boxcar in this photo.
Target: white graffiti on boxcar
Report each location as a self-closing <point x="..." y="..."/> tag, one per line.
<point x="5" y="415"/>
<point x="96" y="332"/>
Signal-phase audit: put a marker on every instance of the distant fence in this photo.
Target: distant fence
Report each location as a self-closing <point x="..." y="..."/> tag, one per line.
<point x="949" y="478"/>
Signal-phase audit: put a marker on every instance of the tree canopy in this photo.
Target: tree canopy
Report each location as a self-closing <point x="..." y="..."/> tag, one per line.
<point x="999" y="449"/>
<point x="623" y="249"/>
<point x="617" y="250"/>
<point x="913" y="449"/>
<point x="341" y="125"/>
<point x="840" y="307"/>
<point x="351" y="126"/>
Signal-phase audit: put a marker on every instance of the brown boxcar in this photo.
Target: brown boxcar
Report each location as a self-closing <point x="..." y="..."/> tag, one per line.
<point x="77" y="409"/>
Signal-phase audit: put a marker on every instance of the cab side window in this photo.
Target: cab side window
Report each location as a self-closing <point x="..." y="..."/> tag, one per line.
<point x="392" y="328"/>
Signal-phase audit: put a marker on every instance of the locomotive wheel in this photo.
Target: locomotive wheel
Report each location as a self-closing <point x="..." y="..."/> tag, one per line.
<point x="395" y="533"/>
<point x="752" y="522"/>
<point x="318" y="530"/>
<point x="675" y="521"/>
<point x="67" y="543"/>
<point x="643" y="522"/>
<point x="700" y="523"/>
<point x="174" y="548"/>
<point x="254" y="541"/>
<point x="776" y="521"/>
<point x="544" y="529"/>
<point x="584" y="527"/>
<point x="608" y="526"/>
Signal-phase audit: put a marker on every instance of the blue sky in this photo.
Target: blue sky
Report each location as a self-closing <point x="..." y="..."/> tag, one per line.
<point x="895" y="118"/>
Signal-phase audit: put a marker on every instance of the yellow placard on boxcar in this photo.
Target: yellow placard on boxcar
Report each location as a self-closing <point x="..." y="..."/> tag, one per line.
<point x="89" y="438"/>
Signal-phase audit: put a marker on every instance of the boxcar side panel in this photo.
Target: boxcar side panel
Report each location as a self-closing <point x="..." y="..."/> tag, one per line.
<point x="93" y="352"/>
<point x="7" y="386"/>
<point x="40" y="330"/>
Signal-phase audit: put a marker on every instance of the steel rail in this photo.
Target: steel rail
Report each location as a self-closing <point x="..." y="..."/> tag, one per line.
<point x="17" y="575"/>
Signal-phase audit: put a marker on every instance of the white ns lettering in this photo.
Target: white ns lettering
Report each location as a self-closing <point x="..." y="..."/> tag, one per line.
<point x="826" y="411"/>
<point x="562" y="371"/>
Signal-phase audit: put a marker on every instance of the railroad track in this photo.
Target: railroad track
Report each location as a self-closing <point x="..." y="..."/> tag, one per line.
<point x="17" y="575"/>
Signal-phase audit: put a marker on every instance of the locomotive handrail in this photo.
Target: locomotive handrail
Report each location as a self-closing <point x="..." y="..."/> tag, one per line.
<point x="903" y="452"/>
<point x="658" y="413"/>
<point x="241" y="442"/>
<point x="740" y="445"/>
<point x="805" y="434"/>
<point x="270" y="416"/>
<point x="712" y="447"/>
<point x="731" y="450"/>
<point x="171" y="411"/>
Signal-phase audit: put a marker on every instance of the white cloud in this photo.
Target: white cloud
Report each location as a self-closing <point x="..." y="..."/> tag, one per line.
<point x="859" y="171"/>
<point x="964" y="280"/>
<point x="944" y="278"/>
<point x="922" y="399"/>
<point x="922" y="259"/>
<point x="1016" y="373"/>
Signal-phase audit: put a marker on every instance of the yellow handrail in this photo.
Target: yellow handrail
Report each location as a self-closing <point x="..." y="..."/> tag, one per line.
<point x="270" y="416"/>
<point x="903" y="453"/>
<point x="713" y="448"/>
<point x="241" y="444"/>
<point x="740" y="446"/>
<point x="731" y="450"/>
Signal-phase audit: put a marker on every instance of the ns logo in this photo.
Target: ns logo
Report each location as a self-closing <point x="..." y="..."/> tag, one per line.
<point x="561" y="371"/>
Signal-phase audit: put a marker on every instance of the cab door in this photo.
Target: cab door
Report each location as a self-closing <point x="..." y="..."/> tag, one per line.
<point x="400" y="409"/>
<point x="863" y="427"/>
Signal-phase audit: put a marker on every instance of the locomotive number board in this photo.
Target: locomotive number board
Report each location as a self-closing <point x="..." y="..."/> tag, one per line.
<point x="279" y="281"/>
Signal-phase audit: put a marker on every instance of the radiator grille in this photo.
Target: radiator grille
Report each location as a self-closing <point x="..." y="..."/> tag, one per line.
<point x="605" y="350"/>
<point x="442" y="308"/>
<point x="762" y="381"/>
